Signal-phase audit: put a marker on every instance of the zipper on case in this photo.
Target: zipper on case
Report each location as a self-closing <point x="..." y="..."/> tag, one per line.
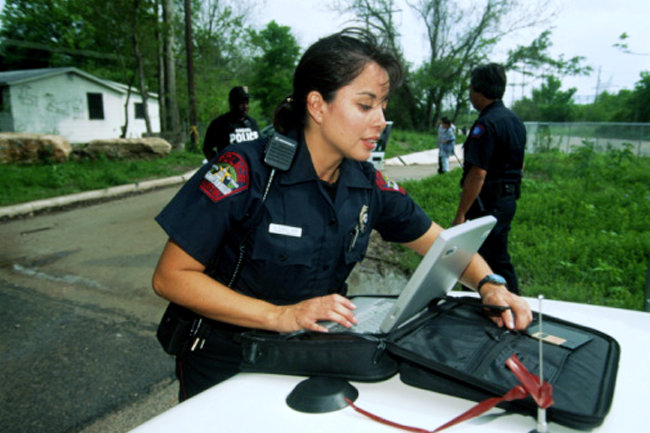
<point x="381" y="346"/>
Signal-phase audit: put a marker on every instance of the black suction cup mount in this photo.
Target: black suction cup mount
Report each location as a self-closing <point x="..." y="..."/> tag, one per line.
<point x="321" y="394"/>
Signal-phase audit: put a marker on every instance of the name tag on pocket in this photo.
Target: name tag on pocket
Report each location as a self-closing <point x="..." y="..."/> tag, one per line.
<point x="281" y="229"/>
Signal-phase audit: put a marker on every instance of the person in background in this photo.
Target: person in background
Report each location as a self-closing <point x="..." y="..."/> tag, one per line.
<point x="446" y="142"/>
<point x="235" y="126"/>
<point x="492" y="169"/>
<point x="303" y="229"/>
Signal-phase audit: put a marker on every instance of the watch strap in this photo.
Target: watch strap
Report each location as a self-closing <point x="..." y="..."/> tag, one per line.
<point x="491" y="278"/>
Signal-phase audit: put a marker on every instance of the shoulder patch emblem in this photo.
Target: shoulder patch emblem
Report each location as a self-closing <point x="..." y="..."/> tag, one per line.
<point x="477" y="131"/>
<point x="385" y="183"/>
<point x="227" y="176"/>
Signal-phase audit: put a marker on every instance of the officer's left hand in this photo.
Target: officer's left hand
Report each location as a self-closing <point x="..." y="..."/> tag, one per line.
<point x="306" y="314"/>
<point x="498" y="295"/>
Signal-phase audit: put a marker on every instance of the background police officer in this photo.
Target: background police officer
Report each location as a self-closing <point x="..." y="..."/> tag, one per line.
<point x="235" y="126"/>
<point x="493" y="165"/>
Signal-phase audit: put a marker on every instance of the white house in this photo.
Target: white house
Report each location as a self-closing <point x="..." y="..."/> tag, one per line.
<point x="71" y="103"/>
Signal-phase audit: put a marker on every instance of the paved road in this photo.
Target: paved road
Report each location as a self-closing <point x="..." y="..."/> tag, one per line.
<point x="77" y="317"/>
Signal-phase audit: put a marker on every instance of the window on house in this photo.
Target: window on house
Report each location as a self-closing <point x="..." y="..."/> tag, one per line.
<point x="139" y="110"/>
<point x="4" y="99"/>
<point x="95" y="106"/>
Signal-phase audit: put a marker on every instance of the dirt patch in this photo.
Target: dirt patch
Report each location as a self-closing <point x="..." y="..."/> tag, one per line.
<point x="380" y="272"/>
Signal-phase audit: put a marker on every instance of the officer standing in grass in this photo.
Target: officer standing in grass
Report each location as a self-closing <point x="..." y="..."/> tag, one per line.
<point x="492" y="170"/>
<point x="235" y="126"/>
<point x="446" y="142"/>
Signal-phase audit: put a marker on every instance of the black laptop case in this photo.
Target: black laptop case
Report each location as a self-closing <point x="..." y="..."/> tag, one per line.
<point x="454" y="348"/>
<point x="346" y="355"/>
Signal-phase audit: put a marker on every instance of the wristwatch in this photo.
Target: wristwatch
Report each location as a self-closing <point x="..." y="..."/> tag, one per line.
<point x="491" y="278"/>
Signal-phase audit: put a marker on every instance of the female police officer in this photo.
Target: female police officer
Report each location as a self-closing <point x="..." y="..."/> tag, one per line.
<point x="303" y="230"/>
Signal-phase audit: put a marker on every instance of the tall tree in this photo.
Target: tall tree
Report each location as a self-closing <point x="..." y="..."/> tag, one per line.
<point x="534" y="60"/>
<point x="459" y="39"/>
<point x="160" y="63"/>
<point x="172" y="123"/>
<point x="189" y="49"/>
<point x="274" y="65"/>
<point x="49" y="33"/>
<point x="641" y="98"/>
<point x="222" y="54"/>
<point x="139" y="60"/>
<point x="548" y="103"/>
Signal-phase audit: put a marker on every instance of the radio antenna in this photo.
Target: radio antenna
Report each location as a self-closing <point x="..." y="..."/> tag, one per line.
<point x="542" y="425"/>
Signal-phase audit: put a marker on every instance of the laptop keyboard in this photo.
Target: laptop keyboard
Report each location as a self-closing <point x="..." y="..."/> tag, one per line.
<point x="369" y="319"/>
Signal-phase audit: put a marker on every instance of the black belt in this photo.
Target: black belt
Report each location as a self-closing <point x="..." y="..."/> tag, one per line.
<point x="232" y="332"/>
<point x="502" y="188"/>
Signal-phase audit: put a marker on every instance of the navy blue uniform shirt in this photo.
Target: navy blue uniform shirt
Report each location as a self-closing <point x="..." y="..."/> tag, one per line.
<point x="228" y="129"/>
<point x="302" y="244"/>
<point x="496" y="143"/>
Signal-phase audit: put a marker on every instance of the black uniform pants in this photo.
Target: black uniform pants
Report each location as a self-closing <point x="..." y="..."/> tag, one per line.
<point x="217" y="361"/>
<point x="495" y="248"/>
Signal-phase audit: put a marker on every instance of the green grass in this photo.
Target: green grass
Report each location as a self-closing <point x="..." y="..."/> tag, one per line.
<point x="26" y="182"/>
<point x="581" y="230"/>
<point x="21" y="183"/>
<point x="403" y="142"/>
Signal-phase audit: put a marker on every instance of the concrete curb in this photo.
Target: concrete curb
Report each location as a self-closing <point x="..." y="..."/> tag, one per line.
<point x="425" y="157"/>
<point x="31" y="207"/>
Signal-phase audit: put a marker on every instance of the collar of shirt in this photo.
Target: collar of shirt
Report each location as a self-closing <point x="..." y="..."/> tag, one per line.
<point x="302" y="170"/>
<point x="495" y="104"/>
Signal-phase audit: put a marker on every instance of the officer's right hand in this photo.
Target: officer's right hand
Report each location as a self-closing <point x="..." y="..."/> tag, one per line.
<point x="306" y="314"/>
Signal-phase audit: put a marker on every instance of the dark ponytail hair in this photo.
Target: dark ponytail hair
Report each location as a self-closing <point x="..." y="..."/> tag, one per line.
<point x="329" y="64"/>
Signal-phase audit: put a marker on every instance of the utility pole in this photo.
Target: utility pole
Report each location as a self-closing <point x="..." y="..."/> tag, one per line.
<point x="597" y="84"/>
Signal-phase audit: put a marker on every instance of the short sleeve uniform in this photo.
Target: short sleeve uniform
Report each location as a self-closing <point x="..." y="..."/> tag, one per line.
<point x="302" y="244"/>
<point x="496" y="143"/>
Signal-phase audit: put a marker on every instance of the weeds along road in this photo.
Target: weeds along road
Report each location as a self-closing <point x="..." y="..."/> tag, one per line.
<point x="78" y="317"/>
<point x="77" y="314"/>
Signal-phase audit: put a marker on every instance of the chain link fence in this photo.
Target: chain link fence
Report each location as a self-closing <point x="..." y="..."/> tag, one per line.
<point x="604" y="136"/>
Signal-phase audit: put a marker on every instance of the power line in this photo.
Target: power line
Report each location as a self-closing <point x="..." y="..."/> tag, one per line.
<point x="44" y="47"/>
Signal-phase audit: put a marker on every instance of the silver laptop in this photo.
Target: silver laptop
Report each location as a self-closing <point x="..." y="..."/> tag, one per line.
<point x="435" y="276"/>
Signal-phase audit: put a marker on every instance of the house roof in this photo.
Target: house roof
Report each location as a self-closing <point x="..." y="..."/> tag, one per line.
<point x="27" y="75"/>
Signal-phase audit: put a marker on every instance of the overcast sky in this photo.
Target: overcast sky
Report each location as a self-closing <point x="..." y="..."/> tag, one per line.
<point x="587" y="28"/>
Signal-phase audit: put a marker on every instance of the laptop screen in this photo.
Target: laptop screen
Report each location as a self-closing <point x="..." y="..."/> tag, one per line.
<point x="439" y="269"/>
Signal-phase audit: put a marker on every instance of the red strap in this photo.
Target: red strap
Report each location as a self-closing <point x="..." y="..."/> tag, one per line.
<point x="384" y="420"/>
<point x="543" y="396"/>
<point x="516" y="393"/>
